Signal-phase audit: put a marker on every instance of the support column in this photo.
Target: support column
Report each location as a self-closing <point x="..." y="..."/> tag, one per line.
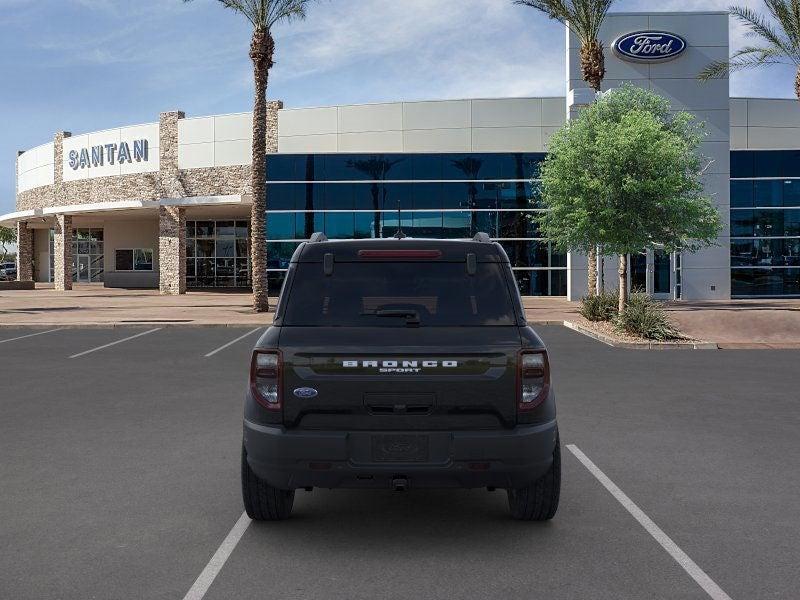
<point x="62" y="250"/>
<point x="171" y="250"/>
<point x="24" y="252"/>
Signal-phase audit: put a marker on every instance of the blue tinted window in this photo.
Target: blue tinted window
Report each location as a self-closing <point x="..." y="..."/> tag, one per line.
<point x="529" y="164"/>
<point x="339" y="225"/>
<point x="365" y="225"/>
<point x="774" y="252"/>
<point x="791" y="192"/>
<point x="741" y="194"/>
<point x="282" y="196"/>
<point x="426" y="224"/>
<point x="465" y="166"/>
<point x="742" y="164"/>
<point x="765" y="282"/>
<point x="310" y="167"/>
<point x="457" y="225"/>
<point x="279" y="254"/>
<point x="742" y="223"/>
<point x="398" y="166"/>
<point x="768" y="163"/>
<point x="280" y="226"/>
<point x="790" y="163"/>
<point x="307" y="223"/>
<point x="390" y="221"/>
<point x="396" y="194"/>
<point x="339" y="196"/>
<point x="450" y="195"/>
<point x="311" y="196"/>
<point x="791" y="222"/>
<point x="281" y="167"/>
<point x="367" y="196"/>
<point x="768" y="193"/>
<point x="339" y="167"/>
<point x="426" y="166"/>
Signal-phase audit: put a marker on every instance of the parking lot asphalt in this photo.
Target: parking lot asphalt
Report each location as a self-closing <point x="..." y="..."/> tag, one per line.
<point x="119" y="478"/>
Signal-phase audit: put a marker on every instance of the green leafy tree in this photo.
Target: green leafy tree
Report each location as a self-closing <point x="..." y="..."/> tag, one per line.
<point x="778" y="40"/>
<point x="584" y="19"/>
<point x="626" y="174"/>
<point x="7" y="237"/>
<point x="263" y="15"/>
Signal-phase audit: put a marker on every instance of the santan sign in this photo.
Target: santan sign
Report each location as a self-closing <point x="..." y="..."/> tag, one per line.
<point x="649" y="46"/>
<point x="97" y="156"/>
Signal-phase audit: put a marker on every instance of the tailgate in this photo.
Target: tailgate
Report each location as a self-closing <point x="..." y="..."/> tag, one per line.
<point x="399" y="379"/>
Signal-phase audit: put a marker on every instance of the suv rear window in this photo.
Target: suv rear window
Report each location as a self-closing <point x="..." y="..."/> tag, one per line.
<point x="396" y="294"/>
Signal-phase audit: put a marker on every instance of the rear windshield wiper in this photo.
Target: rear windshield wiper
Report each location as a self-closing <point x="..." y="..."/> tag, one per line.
<point x="411" y="316"/>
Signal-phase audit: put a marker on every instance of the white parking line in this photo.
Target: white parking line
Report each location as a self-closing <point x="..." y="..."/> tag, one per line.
<point x="22" y="337"/>
<point x="214" y="566"/>
<point x="688" y="565"/>
<point x="232" y="342"/>
<point x="115" y="343"/>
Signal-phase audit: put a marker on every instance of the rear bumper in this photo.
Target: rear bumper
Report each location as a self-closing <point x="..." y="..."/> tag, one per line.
<point x="289" y="459"/>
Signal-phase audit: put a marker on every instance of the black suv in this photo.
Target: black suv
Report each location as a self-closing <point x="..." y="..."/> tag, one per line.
<point x="400" y="363"/>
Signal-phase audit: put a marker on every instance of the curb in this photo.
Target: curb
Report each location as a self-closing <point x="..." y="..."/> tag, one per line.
<point x="640" y="345"/>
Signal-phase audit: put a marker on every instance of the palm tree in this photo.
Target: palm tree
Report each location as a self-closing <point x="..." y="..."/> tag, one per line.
<point x="584" y="19"/>
<point x="780" y="41"/>
<point x="263" y="15"/>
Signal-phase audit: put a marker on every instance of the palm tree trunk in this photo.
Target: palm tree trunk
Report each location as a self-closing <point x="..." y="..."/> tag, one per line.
<point x="593" y="70"/>
<point x="261" y="52"/>
<point x="797" y="84"/>
<point x="623" y="282"/>
<point x="593" y="67"/>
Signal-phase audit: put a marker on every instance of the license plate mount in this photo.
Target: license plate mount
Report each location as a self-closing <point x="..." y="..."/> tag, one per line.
<point x="400" y="448"/>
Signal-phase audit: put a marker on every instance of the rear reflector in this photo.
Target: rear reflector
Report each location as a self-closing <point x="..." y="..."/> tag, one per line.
<point x="399" y="253"/>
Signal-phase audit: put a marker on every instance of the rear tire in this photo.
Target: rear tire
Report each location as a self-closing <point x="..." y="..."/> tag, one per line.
<point x="538" y="501"/>
<point x="262" y="502"/>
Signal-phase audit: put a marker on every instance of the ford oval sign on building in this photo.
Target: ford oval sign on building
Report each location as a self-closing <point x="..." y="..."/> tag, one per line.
<point x="649" y="46"/>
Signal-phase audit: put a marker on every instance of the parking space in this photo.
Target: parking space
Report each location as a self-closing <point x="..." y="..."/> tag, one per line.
<point x="120" y="480"/>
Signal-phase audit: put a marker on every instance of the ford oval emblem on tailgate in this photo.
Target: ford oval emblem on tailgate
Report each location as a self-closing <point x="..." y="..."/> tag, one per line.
<point x="305" y="392"/>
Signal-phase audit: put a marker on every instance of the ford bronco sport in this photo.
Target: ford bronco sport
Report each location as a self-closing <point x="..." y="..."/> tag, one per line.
<point x="400" y="363"/>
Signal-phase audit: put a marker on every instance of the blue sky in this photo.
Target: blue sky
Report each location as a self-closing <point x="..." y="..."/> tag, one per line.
<point x="84" y="65"/>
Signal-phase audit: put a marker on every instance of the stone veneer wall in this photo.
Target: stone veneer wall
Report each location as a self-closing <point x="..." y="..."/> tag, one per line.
<point x="169" y="182"/>
<point x="172" y="250"/>
<point x="24" y="252"/>
<point x="62" y="251"/>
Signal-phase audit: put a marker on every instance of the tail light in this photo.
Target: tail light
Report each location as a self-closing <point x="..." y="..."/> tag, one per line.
<point x="534" y="378"/>
<point x="265" y="378"/>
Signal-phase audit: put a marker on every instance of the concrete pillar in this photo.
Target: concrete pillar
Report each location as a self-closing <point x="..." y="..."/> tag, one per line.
<point x="24" y="252"/>
<point x="171" y="250"/>
<point x="62" y="253"/>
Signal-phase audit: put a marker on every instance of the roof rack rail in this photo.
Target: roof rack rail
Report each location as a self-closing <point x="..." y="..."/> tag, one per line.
<point x="482" y="237"/>
<point x="318" y="236"/>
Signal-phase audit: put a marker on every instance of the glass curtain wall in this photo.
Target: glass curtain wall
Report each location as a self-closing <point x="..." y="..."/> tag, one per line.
<point x="217" y="254"/>
<point x="450" y="196"/>
<point x="765" y="223"/>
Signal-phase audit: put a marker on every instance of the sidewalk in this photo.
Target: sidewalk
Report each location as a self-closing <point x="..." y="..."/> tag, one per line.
<point x="733" y="324"/>
<point x="91" y="305"/>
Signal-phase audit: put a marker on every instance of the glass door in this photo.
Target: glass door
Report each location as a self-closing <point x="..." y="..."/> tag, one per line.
<point x="650" y="272"/>
<point x="83" y="269"/>
<point x="662" y="271"/>
<point x="638" y="272"/>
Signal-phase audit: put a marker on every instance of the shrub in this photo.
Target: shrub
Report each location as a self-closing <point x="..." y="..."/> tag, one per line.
<point x="601" y="307"/>
<point x="644" y="317"/>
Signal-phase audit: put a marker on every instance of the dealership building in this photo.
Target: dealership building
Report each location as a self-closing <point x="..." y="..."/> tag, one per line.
<point x="167" y="204"/>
